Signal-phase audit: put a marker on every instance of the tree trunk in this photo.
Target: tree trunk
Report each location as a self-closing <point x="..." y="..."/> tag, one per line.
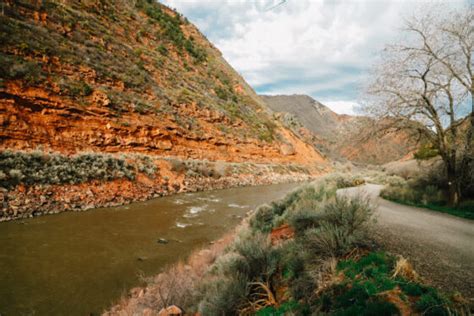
<point x="468" y="151"/>
<point x="454" y="188"/>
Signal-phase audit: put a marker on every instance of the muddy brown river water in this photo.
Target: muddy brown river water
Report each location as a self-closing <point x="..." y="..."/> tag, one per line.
<point x="80" y="263"/>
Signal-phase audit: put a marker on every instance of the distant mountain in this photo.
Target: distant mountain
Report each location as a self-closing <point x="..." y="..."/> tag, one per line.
<point x="312" y="114"/>
<point x="339" y="136"/>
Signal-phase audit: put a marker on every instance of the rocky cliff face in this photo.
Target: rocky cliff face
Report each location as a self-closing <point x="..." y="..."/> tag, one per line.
<point x="339" y="136"/>
<point x="122" y="77"/>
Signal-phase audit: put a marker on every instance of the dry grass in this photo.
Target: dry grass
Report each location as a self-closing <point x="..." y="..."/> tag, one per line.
<point x="404" y="269"/>
<point x="261" y="296"/>
<point x="327" y="275"/>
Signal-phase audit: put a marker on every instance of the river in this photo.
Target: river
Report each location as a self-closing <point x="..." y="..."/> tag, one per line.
<point x="80" y="263"/>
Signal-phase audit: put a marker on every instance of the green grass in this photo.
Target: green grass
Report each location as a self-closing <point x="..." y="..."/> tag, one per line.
<point x="364" y="281"/>
<point x="287" y="308"/>
<point x="465" y="210"/>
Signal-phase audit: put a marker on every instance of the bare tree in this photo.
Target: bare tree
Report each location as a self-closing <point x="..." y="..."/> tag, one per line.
<point x="425" y="83"/>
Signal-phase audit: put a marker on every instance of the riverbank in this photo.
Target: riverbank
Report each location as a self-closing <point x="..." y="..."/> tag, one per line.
<point x="309" y="253"/>
<point x="88" y="260"/>
<point x="176" y="281"/>
<point x="139" y="178"/>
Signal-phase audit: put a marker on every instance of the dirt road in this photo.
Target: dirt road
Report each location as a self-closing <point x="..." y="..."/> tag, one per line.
<point x="440" y="246"/>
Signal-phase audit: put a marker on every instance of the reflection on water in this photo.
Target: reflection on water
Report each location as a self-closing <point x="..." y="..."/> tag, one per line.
<point x="81" y="263"/>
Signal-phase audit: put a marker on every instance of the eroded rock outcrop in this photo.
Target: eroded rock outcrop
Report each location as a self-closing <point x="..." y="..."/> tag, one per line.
<point x="127" y="78"/>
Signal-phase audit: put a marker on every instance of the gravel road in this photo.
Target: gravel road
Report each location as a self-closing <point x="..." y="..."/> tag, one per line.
<point x="440" y="246"/>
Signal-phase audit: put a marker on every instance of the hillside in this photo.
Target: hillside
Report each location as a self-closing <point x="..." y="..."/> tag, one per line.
<point x="339" y="136"/>
<point x="133" y="84"/>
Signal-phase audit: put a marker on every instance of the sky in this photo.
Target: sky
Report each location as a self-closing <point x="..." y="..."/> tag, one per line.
<point x="322" y="48"/>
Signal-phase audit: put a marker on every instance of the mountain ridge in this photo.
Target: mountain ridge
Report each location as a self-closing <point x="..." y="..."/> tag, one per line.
<point x="340" y="136"/>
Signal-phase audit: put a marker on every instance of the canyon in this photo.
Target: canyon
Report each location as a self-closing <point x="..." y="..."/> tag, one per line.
<point x="125" y="80"/>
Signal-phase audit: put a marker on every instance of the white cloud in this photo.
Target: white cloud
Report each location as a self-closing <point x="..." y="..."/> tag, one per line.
<point x="342" y="107"/>
<point x="316" y="47"/>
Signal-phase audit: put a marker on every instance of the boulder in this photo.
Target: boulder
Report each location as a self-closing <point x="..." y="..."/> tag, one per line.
<point x="287" y="150"/>
<point x="163" y="241"/>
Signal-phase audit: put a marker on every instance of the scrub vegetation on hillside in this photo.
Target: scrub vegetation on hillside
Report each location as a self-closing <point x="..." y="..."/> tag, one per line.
<point x="38" y="167"/>
<point x="140" y="56"/>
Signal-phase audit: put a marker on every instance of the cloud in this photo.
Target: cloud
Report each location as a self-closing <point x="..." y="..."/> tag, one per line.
<point x="342" y="107"/>
<point x="317" y="47"/>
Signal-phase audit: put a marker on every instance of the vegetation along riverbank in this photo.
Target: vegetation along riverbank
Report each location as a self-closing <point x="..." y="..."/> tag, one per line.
<point x="309" y="253"/>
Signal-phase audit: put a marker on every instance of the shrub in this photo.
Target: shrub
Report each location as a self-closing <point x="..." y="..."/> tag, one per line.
<point x="353" y="213"/>
<point x="38" y="167"/>
<point x="144" y="164"/>
<point x="303" y="219"/>
<point x="340" y="227"/>
<point x="223" y="296"/>
<point x="222" y="93"/>
<point x="329" y="240"/>
<point x="396" y="192"/>
<point x="267" y="216"/>
<point x="13" y="67"/>
<point x="177" y="165"/>
<point x="174" y="287"/>
<point x="344" y="180"/>
<point x="15" y="176"/>
<point x="251" y="260"/>
<point x="261" y="259"/>
<point x="432" y="195"/>
<point x="416" y="192"/>
<point x="79" y="88"/>
<point x="426" y="151"/>
<point x="262" y="220"/>
<point x="395" y="181"/>
<point x="141" y="107"/>
<point x="229" y="264"/>
<point x="198" y="53"/>
<point x="223" y="169"/>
